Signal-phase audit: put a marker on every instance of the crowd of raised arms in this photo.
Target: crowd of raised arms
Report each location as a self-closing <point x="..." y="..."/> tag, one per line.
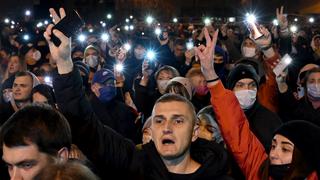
<point x="169" y="101"/>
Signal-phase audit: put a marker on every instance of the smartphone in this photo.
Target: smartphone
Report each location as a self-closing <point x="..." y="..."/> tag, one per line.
<point x="68" y="25"/>
<point x="285" y="61"/>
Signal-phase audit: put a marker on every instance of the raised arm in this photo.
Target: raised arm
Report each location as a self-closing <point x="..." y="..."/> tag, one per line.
<point x="245" y="147"/>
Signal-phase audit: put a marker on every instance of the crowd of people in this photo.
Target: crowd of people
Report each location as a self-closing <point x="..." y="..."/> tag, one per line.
<point x="192" y="102"/>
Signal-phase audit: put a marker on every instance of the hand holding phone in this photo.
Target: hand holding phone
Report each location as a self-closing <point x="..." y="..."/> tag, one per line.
<point x="68" y="25"/>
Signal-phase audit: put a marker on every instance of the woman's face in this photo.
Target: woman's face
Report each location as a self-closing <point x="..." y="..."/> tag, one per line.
<point x="281" y="150"/>
<point x="314" y="78"/>
<point x="14" y="65"/>
<point x="205" y="130"/>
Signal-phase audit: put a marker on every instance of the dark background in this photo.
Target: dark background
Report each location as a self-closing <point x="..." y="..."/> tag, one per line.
<point x="94" y="10"/>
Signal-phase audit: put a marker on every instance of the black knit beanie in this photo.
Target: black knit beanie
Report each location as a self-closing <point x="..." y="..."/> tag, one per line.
<point x="241" y="71"/>
<point x="306" y="137"/>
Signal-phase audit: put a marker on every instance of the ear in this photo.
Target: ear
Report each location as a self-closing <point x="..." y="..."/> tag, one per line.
<point x="63" y="154"/>
<point x="195" y="132"/>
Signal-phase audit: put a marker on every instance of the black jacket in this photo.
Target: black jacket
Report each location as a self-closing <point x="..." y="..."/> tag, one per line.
<point x="263" y="123"/>
<point x="115" y="156"/>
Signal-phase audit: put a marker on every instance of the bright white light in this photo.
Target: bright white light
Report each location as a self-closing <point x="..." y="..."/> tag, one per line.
<point x="104" y="24"/>
<point x="207" y="21"/>
<point x="101" y="22"/>
<point x="151" y="55"/>
<point x="12" y="26"/>
<point x="127" y="46"/>
<point x="26" y="37"/>
<point x="288" y="60"/>
<point x="275" y="22"/>
<point x="12" y="22"/>
<point x="90" y="30"/>
<point x="232" y="19"/>
<point x="27" y="13"/>
<point x="311" y="20"/>
<point x="82" y="37"/>
<point x="105" y="37"/>
<point x="295" y="19"/>
<point x="119" y="67"/>
<point x="131" y="17"/>
<point x="40" y="24"/>
<point x="175" y="20"/>
<point x="149" y="19"/>
<point x="293" y="28"/>
<point x="251" y="18"/>
<point x="131" y="27"/>
<point x="126" y="27"/>
<point x="46" y="22"/>
<point x="6" y="20"/>
<point x="157" y="31"/>
<point x="118" y="29"/>
<point x="109" y="16"/>
<point x="127" y="20"/>
<point x="142" y="33"/>
<point x="47" y="79"/>
<point x="189" y="45"/>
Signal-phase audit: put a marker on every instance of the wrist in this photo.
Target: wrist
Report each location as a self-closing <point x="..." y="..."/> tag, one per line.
<point x="64" y="66"/>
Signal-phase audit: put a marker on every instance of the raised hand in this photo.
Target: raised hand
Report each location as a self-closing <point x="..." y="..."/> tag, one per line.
<point x="206" y="54"/>
<point x="282" y="19"/>
<point x="60" y="54"/>
<point x="265" y="40"/>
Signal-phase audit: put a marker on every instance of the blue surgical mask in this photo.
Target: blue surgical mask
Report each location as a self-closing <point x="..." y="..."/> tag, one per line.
<point x="314" y="90"/>
<point x="107" y="93"/>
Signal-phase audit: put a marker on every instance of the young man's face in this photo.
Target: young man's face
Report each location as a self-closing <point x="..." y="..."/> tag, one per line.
<point x="173" y="129"/>
<point x="24" y="162"/>
<point x="22" y="87"/>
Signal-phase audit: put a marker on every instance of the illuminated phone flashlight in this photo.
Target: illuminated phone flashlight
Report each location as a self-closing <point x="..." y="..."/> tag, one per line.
<point x="103" y="24"/>
<point x="157" y="31"/>
<point x="275" y="22"/>
<point x="127" y="20"/>
<point x="251" y="20"/>
<point x="231" y="19"/>
<point x="175" y="20"/>
<point x="105" y="37"/>
<point x="149" y="19"/>
<point x="26" y="37"/>
<point x="109" y="16"/>
<point x="151" y="55"/>
<point x="46" y="22"/>
<point x="311" y="20"/>
<point x="207" y="21"/>
<point x="189" y="45"/>
<point x="127" y="46"/>
<point x="40" y="24"/>
<point x="27" y="13"/>
<point x="142" y="33"/>
<point x="47" y="79"/>
<point x="118" y="29"/>
<point x="294" y="28"/>
<point x="295" y="19"/>
<point x="131" y="27"/>
<point x="82" y="37"/>
<point x="131" y="17"/>
<point x="90" y="30"/>
<point x="119" y="67"/>
<point x="12" y="26"/>
<point x="287" y="59"/>
<point x="126" y="27"/>
<point x="12" y="22"/>
<point x="7" y="20"/>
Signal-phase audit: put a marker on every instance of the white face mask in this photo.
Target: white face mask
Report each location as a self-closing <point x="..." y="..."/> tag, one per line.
<point x="92" y="61"/>
<point x="162" y="85"/>
<point x="36" y="55"/>
<point x="246" y="98"/>
<point x="314" y="90"/>
<point x="249" y="51"/>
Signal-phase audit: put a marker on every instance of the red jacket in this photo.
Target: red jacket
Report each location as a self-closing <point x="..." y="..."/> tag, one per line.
<point x="245" y="147"/>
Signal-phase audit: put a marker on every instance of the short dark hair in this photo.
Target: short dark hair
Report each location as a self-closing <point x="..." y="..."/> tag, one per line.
<point x="178" y="98"/>
<point x="39" y="124"/>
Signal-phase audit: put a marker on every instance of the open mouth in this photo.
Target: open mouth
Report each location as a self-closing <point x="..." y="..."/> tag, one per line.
<point x="167" y="141"/>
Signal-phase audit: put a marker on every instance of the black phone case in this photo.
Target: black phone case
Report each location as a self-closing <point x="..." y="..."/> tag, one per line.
<point x="69" y="25"/>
